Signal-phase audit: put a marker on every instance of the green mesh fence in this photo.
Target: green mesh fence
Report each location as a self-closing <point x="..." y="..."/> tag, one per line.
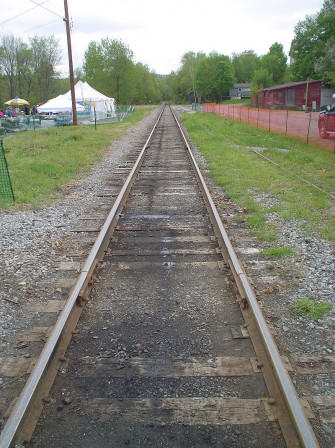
<point x="6" y="190"/>
<point x="36" y="122"/>
<point x="197" y="106"/>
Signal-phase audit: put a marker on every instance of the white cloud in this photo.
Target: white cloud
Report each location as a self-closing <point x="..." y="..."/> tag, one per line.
<point x="159" y="34"/>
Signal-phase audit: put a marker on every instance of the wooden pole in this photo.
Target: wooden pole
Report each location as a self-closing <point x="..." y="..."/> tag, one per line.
<point x="69" y="49"/>
<point x="306" y="103"/>
<point x="257" y="115"/>
<point x="309" y="125"/>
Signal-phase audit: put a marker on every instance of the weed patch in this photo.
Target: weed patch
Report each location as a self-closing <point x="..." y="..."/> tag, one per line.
<point x="309" y="308"/>
<point x="239" y="219"/>
<point x="267" y="233"/>
<point x="277" y="252"/>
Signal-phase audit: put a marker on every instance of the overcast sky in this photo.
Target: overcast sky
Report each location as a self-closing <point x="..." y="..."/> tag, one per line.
<point x="159" y="33"/>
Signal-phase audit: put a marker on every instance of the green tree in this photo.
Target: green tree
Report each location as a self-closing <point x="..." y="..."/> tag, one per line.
<point x="118" y="60"/>
<point x="312" y="45"/>
<point x="61" y="85"/>
<point x="29" y="70"/>
<point x="262" y="78"/>
<point x="9" y="49"/>
<point x="215" y="76"/>
<point x="109" y="66"/>
<point x="147" y="88"/>
<point x="93" y="66"/>
<point x="305" y="48"/>
<point x="25" y="71"/>
<point x="325" y="64"/>
<point x="46" y="55"/>
<point x="275" y="62"/>
<point x="245" y="64"/>
<point x="79" y="74"/>
<point x="165" y="83"/>
<point x="184" y="79"/>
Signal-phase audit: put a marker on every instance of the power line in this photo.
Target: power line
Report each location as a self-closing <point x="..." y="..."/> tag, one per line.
<point x="24" y="12"/>
<point x="40" y="26"/>
<point x="40" y="4"/>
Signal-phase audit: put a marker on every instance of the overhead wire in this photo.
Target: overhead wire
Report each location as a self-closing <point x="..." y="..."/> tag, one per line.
<point x="40" y="4"/>
<point x="30" y="9"/>
<point x="40" y="26"/>
<point x="24" y="12"/>
<point x="61" y="17"/>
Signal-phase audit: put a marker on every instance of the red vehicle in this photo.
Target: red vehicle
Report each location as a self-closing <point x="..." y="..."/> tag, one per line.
<point x="326" y="121"/>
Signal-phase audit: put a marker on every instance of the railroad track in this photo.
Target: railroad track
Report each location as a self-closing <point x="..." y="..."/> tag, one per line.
<point x="171" y="349"/>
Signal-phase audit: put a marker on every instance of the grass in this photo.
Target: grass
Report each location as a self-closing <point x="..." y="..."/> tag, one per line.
<point x="242" y="101"/>
<point x="309" y="308"/>
<point x="277" y="252"/>
<point x="246" y="177"/>
<point x="42" y="162"/>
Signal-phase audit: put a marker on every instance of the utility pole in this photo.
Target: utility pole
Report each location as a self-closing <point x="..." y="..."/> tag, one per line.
<point x="69" y="50"/>
<point x="306" y="102"/>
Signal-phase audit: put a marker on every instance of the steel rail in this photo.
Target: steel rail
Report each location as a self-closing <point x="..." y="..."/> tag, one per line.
<point x="302" y="425"/>
<point x="13" y="425"/>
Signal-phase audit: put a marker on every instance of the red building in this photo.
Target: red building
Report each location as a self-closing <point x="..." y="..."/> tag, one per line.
<point x="292" y="94"/>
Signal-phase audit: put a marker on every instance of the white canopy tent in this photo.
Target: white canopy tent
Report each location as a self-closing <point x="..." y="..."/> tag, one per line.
<point x="59" y="104"/>
<point x="84" y="93"/>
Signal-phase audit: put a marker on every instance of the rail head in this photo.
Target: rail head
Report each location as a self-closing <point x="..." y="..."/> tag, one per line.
<point x="301" y="423"/>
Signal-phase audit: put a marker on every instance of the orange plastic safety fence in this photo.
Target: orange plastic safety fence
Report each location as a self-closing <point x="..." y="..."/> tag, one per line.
<point x="299" y="125"/>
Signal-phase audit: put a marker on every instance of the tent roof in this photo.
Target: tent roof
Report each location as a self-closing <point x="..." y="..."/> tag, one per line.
<point x="59" y="104"/>
<point x="84" y="92"/>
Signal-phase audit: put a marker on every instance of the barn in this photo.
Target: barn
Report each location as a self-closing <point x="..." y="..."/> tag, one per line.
<point x="292" y="94"/>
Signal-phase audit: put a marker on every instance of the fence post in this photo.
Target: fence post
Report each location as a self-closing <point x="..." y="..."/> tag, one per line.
<point x="269" y="120"/>
<point x="286" y="122"/>
<point x="240" y="113"/>
<point x="257" y="115"/>
<point x="309" y="125"/>
<point x="248" y="113"/>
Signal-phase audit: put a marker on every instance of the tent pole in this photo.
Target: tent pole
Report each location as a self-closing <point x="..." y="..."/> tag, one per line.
<point x="73" y="96"/>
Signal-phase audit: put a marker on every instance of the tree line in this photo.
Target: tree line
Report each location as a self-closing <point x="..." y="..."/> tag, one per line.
<point x="29" y="70"/>
<point x="312" y="56"/>
<point x="109" y="66"/>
